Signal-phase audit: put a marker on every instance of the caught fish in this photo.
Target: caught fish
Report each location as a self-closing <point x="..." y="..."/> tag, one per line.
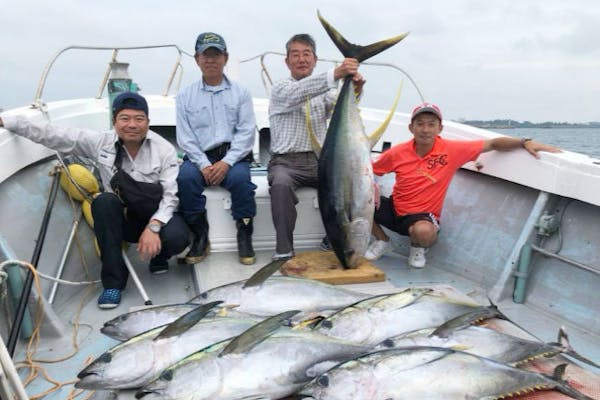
<point x="131" y="324"/>
<point x="134" y="323"/>
<point x="280" y="293"/>
<point x="430" y="373"/>
<point x="345" y="193"/>
<point x="259" y="364"/>
<point x="274" y="295"/>
<point x="373" y="320"/>
<point x="480" y="341"/>
<point x="133" y="363"/>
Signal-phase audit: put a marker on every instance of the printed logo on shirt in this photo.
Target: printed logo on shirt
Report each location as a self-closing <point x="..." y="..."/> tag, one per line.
<point x="437" y="160"/>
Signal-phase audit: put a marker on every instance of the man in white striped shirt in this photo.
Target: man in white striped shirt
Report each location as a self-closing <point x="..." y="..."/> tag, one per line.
<point x="293" y="163"/>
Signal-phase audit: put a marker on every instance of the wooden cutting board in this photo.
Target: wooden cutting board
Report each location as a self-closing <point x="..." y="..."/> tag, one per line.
<point x="324" y="266"/>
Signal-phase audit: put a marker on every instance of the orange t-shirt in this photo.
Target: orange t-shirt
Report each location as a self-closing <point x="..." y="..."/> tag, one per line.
<point x="422" y="182"/>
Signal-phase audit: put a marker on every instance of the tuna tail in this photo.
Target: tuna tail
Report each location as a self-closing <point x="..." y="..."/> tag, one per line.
<point x="361" y="53"/>
<point x="565" y="346"/>
<point x="563" y="386"/>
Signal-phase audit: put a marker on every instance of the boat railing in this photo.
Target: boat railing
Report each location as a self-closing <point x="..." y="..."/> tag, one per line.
<point x="268" y="82"/>
<point x="38" y="102"/>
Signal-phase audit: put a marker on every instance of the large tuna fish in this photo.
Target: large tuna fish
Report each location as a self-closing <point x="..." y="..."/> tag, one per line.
<point x="373" y="320"/>
<point x="261" y="294"/>
<point x="488" y="343"/>
<point x="430" y="373"/>
<point x="255" y="365"/>
<point x="280" y="293"/>
<point x="135" y="362"/>
<point x="346" y="196"/>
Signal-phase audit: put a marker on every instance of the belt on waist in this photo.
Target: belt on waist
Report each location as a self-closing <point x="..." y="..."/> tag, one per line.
<point x="219" y="151"/>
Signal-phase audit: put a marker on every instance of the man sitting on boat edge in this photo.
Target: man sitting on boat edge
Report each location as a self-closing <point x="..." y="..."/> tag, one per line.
<point x="216" y="130"/>
<point x="424" y="167"/>
<point x="127" y="157"/>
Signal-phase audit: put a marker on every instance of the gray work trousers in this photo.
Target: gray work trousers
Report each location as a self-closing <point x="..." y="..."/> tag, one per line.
<point x="288" y="172"/>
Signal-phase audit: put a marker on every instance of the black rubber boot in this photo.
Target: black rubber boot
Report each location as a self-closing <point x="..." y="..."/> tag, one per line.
<point x="244" y="241"/>
<point x="200" y="246"/>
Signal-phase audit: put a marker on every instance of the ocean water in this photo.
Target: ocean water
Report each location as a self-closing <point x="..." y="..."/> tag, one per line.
<point x="580" y="140"/>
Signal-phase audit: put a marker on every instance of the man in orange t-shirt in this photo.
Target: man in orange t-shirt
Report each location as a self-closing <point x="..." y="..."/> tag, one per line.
<point x="424" y="167"/>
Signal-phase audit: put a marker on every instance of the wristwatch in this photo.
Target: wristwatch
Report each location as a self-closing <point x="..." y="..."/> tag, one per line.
<point x="154" y="227"/>
<point x="525" y="140"/>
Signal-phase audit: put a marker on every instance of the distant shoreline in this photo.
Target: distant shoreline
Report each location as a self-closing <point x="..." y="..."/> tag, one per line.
<point x="511" y="124"/>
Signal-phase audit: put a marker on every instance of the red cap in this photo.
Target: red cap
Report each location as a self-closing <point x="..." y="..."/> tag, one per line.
<point x="426" y="108"/>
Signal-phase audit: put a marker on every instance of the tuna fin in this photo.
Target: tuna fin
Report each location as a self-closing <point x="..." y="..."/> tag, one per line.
<point x="563" y="386"/>
<point x="311" y="133"/>
<point x="361" y="53"/>
<point x="186" y="321"/>
<point x="309" y="323"/>
<point x="264" y="273"/>
<point x="257" y="333"/>
<point x="375" y="136"/>
<point x="467" y="319"/>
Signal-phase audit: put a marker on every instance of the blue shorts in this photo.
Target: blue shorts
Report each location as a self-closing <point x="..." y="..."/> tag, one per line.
<point x="386" y="215"/>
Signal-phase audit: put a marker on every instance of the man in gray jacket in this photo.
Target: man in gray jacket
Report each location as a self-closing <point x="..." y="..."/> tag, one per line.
<point x="132" y="159"/>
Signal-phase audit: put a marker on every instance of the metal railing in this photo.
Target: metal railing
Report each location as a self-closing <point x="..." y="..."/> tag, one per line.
<point x="38" y="103"/>
<point x="267" y="81"/>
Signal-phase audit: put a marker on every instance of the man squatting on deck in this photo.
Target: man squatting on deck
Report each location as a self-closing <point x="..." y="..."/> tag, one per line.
<point x="128" y="149"/>
<point x="216" y="129"/>
<point x="293" y="163"/>
<point x="424" y="167"/>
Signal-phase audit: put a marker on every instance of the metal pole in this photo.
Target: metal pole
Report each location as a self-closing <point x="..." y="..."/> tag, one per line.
<point x="63" y="260"/>
<point x="136" y="279"/>
<point x="12" y="376"/>
<point x="16" y="328"/>
<point x="574" y="263"/>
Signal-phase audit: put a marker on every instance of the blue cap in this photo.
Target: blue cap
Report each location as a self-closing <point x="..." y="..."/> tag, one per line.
<point x="207" y="40"/>
<point x="130" y="101"/>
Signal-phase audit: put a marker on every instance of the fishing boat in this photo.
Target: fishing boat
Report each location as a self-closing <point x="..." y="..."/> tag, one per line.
<point x="516" y="231"/>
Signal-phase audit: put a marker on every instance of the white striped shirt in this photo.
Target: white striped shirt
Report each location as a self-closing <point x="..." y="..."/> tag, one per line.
<point x="287" y="111"/>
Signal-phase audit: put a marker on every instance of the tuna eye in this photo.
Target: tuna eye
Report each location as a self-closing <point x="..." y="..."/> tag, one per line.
<point x="323" y="381"/>
<point x="204" y="295"/>
<point x="106" y="358"/>
<point x="388" y="343"/>
<point x="167" y="375"/>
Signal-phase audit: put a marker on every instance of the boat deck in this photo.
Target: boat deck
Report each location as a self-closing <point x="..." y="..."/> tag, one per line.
<point x="183" y="282"/>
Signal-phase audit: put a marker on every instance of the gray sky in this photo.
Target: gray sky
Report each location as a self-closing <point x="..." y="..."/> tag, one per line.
<point x="535" y="60"/>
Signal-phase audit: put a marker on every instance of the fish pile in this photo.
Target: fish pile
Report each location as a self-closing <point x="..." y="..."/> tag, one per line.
<point x="262" y="340"/>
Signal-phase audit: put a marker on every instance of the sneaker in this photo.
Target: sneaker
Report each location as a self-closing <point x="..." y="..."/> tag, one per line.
<point x="110" y="298"/>
<point x="158" y="267"/>
<point x="416" y="258"/>
<point x="325" y="245"/>
<point x="283" y="256"/>
<point x="377" y="249"/>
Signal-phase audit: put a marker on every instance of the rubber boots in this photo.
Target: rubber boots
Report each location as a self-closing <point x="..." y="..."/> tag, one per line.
<point x="200" y="246"/>
<point x="244" y="241"/>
